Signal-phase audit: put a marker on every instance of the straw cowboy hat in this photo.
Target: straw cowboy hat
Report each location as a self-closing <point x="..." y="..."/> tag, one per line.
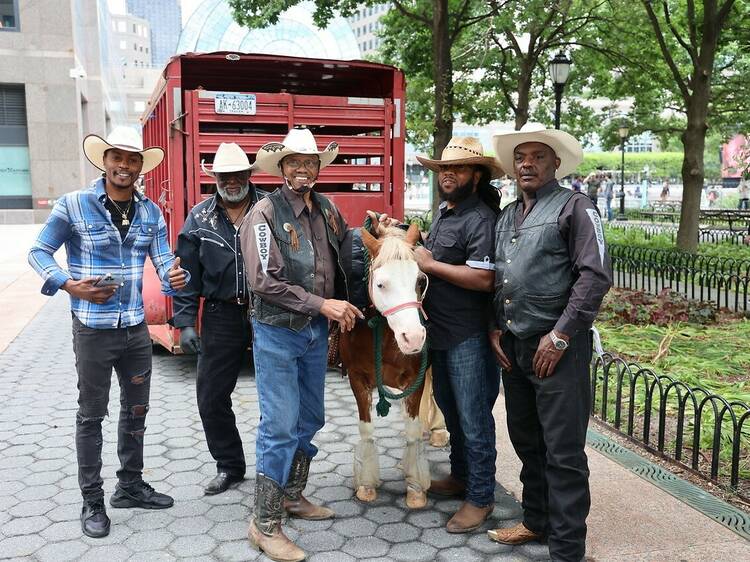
<point x="566" y="147"/>
<point x="297" y="141"/>
<point x="229" y="158"/>
<point x="460" y="151"/>
<point x="124" y="138"/>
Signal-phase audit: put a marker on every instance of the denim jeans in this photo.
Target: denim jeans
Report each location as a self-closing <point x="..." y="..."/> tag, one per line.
<point x="466" y="382"/>
<point x="98" y="351"/>
<point x="225" y="335"/>
<point x="290" y="370"/>
<point x="547" y="420"/>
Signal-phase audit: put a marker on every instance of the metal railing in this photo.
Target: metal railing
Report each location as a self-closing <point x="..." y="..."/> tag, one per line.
<point x="690" y="425"/>
<point x="734" y="219"/>
<point x="723" y="281"/>
<point x="705" y="235"/>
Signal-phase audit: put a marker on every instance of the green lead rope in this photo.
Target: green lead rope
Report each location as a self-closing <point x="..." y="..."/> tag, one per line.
<point x="376" y="325"/>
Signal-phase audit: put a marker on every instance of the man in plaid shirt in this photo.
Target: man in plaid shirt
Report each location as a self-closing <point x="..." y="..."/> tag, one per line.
<point x="108" y="229"/>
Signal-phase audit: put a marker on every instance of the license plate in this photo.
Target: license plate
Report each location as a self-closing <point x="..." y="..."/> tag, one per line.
<point x="235" y="104"/>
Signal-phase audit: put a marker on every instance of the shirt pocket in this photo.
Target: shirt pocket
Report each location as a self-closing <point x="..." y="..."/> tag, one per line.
<point x="447" y="248"/>
<point x="145" y="234"/>
<point x="94" y="235"/>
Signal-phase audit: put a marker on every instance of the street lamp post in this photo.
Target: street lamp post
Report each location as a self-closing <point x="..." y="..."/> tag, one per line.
<point x="559" y="69"/>
<point x="623" y="132"/>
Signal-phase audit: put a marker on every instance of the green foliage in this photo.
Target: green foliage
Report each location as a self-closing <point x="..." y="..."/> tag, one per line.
<point x="660" y="164"/>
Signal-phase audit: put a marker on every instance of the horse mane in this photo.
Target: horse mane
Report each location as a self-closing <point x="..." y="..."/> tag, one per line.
<point x="393" y="247"/>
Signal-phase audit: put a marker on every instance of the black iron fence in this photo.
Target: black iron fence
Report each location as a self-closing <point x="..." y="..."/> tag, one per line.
<point x="733" y="219"/>
<point x="702" y="431"/>
<point x="709" y="235"/>
<point x="723" y="281"/>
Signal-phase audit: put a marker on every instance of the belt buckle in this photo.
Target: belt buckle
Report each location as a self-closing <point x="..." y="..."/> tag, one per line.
<point x="240" y="301"/>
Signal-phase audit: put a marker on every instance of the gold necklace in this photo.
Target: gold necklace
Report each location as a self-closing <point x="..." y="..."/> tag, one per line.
<point x="124" y="214"/>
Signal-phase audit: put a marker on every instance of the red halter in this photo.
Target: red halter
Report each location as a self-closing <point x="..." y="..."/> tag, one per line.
<point x="403" y="306"/>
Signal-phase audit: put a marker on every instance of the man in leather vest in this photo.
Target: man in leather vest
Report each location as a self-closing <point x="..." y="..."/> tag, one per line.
<point x="209" y="246"/>
<point x="552" y="272"/>
<point x="292" y="256"/>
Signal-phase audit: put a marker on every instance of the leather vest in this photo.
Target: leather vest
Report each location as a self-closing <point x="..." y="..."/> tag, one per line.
<point x="299" y="262"/>
<point x="533" y="268"/>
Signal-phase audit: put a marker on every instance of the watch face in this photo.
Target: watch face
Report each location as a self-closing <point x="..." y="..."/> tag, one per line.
<point x="561" y="344"/>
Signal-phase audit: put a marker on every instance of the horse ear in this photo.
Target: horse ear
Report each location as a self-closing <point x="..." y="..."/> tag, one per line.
<point x="413" y="235"/>
<point x="371" y="243"/>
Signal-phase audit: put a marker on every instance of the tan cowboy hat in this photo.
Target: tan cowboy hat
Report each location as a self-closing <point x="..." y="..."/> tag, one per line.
<point x="297" y="141"/>
<point x="229" y="158"/>
<point x="566" y="147"/>
<point x="124" y="138"/>
<point x="460" y="151"/>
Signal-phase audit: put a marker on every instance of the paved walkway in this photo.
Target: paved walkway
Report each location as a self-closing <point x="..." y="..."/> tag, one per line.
<point x="40" y="503"/>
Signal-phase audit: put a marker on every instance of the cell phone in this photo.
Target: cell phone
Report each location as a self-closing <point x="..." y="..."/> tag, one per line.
<point x="108" y="280"/>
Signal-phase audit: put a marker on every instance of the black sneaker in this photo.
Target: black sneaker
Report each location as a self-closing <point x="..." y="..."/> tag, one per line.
<point x="94" y="520"/>
<point x="139" y="495"/>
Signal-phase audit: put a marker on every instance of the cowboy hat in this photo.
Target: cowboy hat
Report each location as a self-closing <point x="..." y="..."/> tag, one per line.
<point x="229" y="158"/>
<point x="461" y="151"/>
<point x="297" y="141"/>
<point x="566" y="147"/>
<point x="124" y="138"/>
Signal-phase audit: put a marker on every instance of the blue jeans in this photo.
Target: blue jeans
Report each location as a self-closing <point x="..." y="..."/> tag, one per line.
<point x="466" y="382"/>
<point x="290" y="370"/>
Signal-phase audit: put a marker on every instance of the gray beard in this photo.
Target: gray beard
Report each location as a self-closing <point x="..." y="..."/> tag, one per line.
<point x="233" y="198"/>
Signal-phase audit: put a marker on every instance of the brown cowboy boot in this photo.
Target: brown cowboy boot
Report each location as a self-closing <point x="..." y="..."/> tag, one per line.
<point x="294" y="502"/>
<point x="468" y="518"/>
<point x="265" y="532"/>
<point x="448" y="487"/>
<point x="518" y="534"/>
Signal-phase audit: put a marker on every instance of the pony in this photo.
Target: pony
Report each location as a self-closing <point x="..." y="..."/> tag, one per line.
<point x="393" y="282"/>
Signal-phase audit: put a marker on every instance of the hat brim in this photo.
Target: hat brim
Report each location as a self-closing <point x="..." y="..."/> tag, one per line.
<point x="566" y="147"/>
<point x="95" y="146"/>
<point x="496" y="171"/>
<point x="271" y="153"/>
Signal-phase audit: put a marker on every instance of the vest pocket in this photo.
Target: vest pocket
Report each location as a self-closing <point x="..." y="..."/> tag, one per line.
<point x="546" y="308"/>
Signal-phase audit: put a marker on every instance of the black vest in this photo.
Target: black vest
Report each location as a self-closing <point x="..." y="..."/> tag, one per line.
<point x="299" y="264"/>
<point x="533" y="268"/>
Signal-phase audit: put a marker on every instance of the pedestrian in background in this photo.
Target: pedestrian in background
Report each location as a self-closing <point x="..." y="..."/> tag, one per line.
<point x="108" y="229"/>
<point x="609" y="194"/>
<point x="744" y="193"/>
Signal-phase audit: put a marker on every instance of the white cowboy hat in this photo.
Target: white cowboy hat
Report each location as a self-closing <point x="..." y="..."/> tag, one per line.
<point x="124" y="138"/>
<point x="463" y="150"/>
<point x="229" y="158"/>
<point x="566" y="147"/>
<point x="297" y="141"/>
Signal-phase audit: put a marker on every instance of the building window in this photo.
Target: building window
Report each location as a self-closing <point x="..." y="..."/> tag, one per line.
<point x="123" y="44"/>
<point x="135" y="47"/>
<point x="9" y="15"/>
<point x="122" y="27"/>
<point x="135" y="30"/>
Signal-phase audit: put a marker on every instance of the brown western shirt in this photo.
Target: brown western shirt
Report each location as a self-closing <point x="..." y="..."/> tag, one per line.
<point x="272" y="284"/>
<point x="585" y="241"/>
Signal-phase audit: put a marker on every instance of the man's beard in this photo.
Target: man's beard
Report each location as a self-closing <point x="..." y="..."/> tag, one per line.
<point x="229" y="198"/>
<point x="460" y="193"/>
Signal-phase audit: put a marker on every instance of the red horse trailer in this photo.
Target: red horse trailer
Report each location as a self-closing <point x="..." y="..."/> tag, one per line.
<point x="203" y="100"/>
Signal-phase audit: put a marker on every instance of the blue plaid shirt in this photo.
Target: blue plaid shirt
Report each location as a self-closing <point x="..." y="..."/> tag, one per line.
<point x="94" y="247"/>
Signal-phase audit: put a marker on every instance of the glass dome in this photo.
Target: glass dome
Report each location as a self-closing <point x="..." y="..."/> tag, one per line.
<point x="212" y="28"/>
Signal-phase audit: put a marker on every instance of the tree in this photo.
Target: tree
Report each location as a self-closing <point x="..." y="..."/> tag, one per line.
<point x="445" y="21"/>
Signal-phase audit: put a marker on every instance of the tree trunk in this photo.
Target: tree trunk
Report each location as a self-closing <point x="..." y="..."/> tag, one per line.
<point x="523" y="89"/>
<point x="442" y="75"/>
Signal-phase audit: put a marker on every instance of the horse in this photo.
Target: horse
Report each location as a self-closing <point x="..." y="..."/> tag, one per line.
<point x="393" y="289"/>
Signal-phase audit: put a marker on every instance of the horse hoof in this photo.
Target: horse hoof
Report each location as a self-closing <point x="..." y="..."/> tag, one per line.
<point x="439" y="438"/>
<point x="415" y="499"/>
<point x="367" y="494"/>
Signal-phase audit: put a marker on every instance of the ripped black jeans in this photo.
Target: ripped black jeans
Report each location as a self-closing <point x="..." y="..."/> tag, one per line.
<point x="98" y="351"/>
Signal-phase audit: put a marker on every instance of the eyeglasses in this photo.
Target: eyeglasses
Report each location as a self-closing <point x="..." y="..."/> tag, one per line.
<point x="308" y="163"/>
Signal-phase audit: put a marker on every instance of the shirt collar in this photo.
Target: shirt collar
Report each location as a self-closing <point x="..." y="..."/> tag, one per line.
<point x="296" y="201"/>
<point x="543" y="191"/>
<point x="101" y="192"/>
<point x="468" y="203"/>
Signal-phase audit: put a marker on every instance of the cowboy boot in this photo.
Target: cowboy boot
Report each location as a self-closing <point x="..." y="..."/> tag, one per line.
<point x="265" y="532"/>
<point x="294" y="502"/>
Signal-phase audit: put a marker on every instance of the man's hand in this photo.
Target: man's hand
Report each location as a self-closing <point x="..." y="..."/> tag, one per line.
<point x="496" y="342"/>
<point x="380" y="223"/>
<point x="343" y="312"/>
<point x="189" y="341"/>
<point x="177" y="276"/>
<point x="547" y="356"/>
<point x="86" y="290"/>
<point x="424" y="258"/>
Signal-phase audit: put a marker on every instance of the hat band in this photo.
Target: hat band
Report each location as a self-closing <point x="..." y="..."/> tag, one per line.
<point x="456" y="147"/>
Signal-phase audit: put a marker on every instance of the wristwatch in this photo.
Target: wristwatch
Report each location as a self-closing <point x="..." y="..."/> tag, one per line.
<point x="559" y="343"/>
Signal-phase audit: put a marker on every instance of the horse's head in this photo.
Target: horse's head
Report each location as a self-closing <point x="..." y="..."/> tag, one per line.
<point x="394" y="281"/>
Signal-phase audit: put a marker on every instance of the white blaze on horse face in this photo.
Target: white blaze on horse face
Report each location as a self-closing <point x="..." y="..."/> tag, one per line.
<point x="393" y="284"/>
